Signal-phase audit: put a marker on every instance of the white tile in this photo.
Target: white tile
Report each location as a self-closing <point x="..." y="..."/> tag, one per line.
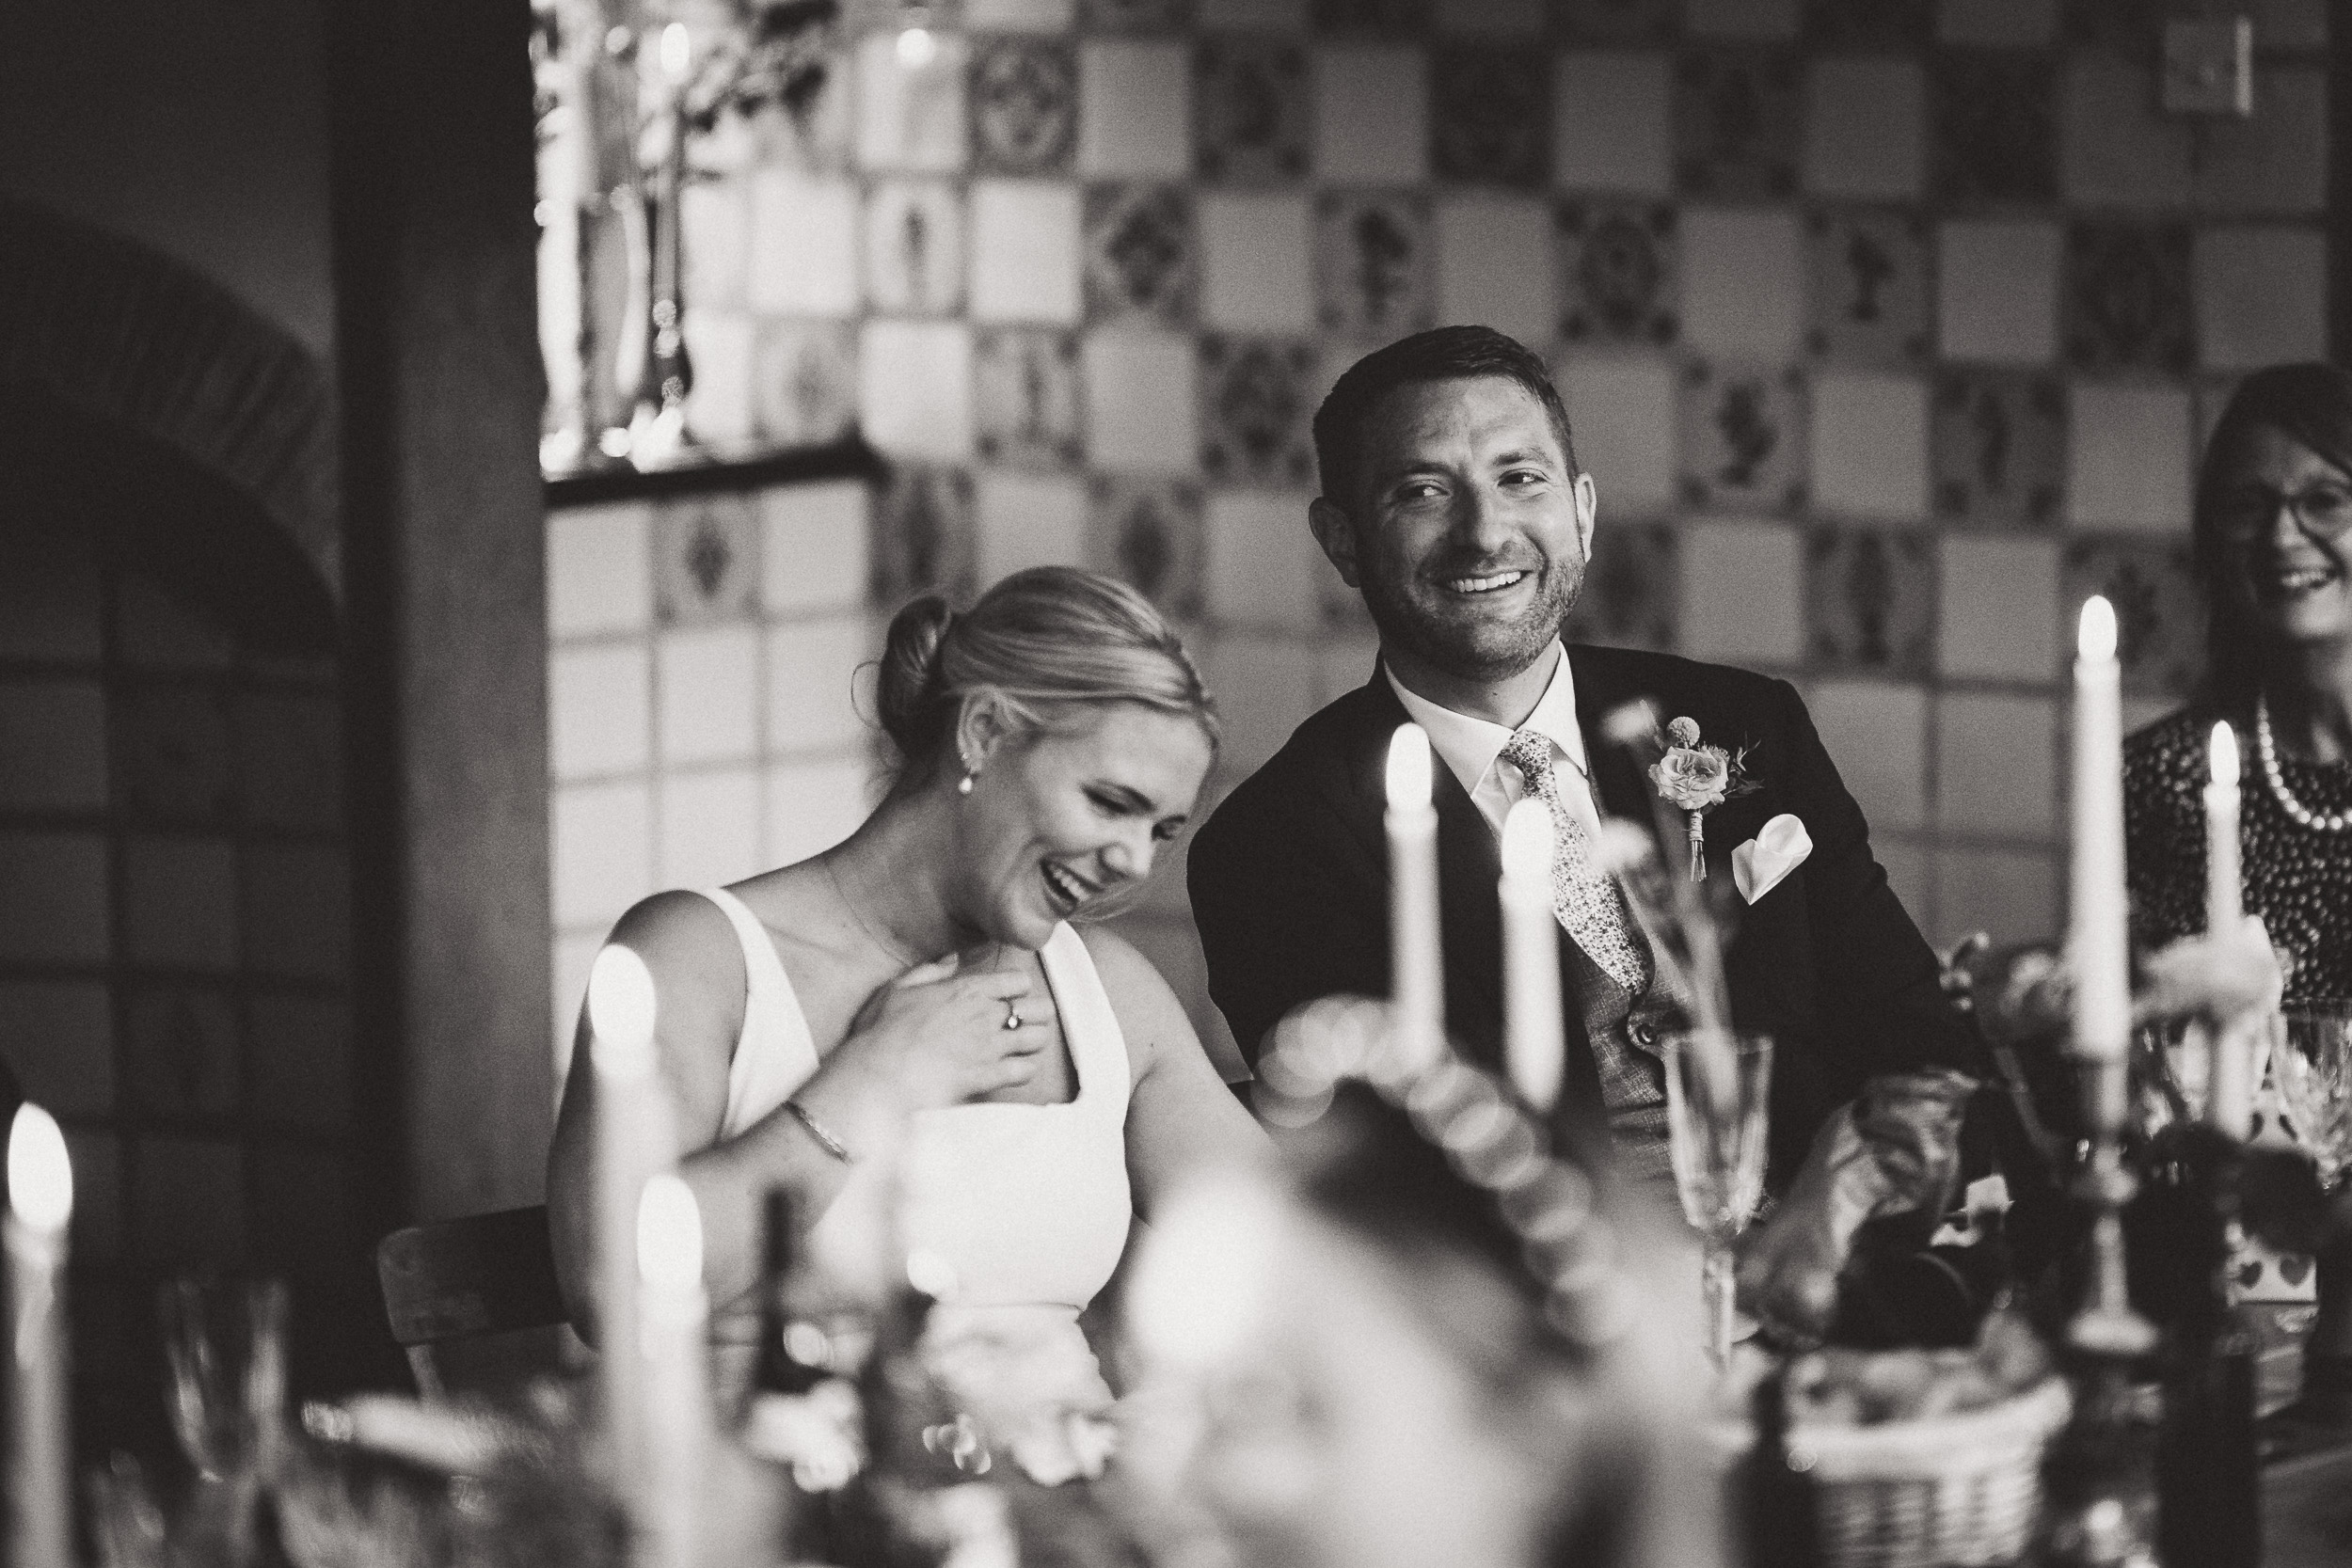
<point x="709" y="684"/>
<point x="1135" y="109"/>
<point x="803" y="245"/>
<point x="811" y="683"/>
<point x="1999" y="615"/>
<point x="1265" y="687"/>
<point x="2261" y="296"/>
<point x="1372" y="114"/>
<point x="2000" y="22"/>
<point x="1864" y="128"/>
<point x="1621" y="415"/>
<point x="2128" y="451"/>
<point x="1741" y="19"/>
<point x="1613" y="123"/>
<point x="1997" y="295"/>
<point x="715" y="225"/>
<point x="602" y="851"/>
<point x="910" y="119"/>
<point x="2010" y="895"/>
<point x="599" y="713"/>
<point x="600" y="570"/>
<point x="1019" y="16"/>
<point x="1869" y="445"/>
<point x="719" y="347"/>
<point x="573" y="956"/>
<point x="1495" y="265"/>
<point x="1743" y="282"/>
<point x="1743" y="593"/>
<point x="1025" y="250"/>
<point x="1254" y="253"/>
<point x="1140" y="409"/>
<point x="1491" y="18"/>
<point x="811" y="806"/>
<point x="914" y="388"/>
<point x="1026" y="519"/>
<point x="709" y="833"/>
<point x="912" y="256"/>
<point x="1263" y="560"/>
<point x="1877" y="736"/>
<point x="813" y="553"/>
<point x="2115" y="147"/>
<point x="1997" y="764"/>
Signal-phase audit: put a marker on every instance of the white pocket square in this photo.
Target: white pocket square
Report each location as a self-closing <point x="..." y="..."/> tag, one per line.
<point x="1779" y="847"/>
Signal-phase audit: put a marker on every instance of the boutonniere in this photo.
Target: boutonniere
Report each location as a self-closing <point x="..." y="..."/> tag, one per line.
<point x="1694" y="779"/>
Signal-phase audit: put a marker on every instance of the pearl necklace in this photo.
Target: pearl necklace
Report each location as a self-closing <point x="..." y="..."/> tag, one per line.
<point x="2318" y="822"/>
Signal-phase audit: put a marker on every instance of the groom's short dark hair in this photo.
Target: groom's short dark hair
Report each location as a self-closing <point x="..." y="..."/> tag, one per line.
<point x="1441" y="354"/>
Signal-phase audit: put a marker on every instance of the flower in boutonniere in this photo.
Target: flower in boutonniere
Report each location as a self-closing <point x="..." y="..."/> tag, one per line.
<point x="1694" y="779"/>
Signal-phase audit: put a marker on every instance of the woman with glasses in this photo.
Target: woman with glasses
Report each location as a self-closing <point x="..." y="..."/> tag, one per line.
<point x="2273" y="538"/>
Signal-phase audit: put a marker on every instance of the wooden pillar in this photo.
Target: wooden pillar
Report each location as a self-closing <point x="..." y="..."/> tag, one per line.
<point x="439" y="375"/>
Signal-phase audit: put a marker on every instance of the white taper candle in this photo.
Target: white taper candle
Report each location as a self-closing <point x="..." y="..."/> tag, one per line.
<point x="39" y="1422"/>
<point x="1417" y="969"/>
<point x="2098" y="939"/>
<point x="1531" y="1041"/>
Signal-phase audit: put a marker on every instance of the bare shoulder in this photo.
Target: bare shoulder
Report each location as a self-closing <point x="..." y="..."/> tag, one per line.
<point x="1149" y="1013"/>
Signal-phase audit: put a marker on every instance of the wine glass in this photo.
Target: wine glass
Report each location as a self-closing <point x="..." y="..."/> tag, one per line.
<point x="2314" y="1062"/>
<point x="225" y="1341"/>
<point x="1716" y="1116"/>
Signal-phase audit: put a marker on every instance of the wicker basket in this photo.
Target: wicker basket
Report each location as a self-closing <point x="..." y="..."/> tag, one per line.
<point x="1960" y="1491"/>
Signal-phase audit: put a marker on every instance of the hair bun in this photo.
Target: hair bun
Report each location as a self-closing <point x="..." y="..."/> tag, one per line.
<point x="910" y="678"/>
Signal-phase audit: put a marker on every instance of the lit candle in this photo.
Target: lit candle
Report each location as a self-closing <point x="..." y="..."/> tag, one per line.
<point x="2098" y="939"/>
<point x="1417" y="978"/>
<point x="2230" y="1076"/>
<point x="40" y="1468"/>
<point x="631" y="1127"/>
<point x="1531" y="956"/>
<point x="672" y="1315"/>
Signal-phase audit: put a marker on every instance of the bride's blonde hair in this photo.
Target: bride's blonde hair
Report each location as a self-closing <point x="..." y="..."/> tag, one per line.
<point x="1040" y="641"/>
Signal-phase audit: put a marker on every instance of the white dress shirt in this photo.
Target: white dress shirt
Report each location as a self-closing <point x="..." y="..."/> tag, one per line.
<point x="1471" y="749"/>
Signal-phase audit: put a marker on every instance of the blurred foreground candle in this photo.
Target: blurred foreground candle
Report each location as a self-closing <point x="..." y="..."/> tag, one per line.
<point x="1417" y="976"/>
<point x="632" y="1129"/>
<point x="40" y="1202"/>
<point x="2098" y="942"/>
<point x="1531" y="956"/>
<point x="672" y="1314"/>
<point x="2230" y="1077"/>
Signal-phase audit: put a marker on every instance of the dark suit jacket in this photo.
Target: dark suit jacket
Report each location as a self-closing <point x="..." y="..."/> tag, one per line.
<point x="1289" y="881"/>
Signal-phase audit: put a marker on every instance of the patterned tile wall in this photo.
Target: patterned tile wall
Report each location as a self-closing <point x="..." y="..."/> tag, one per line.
<point x="1888" y="329"/>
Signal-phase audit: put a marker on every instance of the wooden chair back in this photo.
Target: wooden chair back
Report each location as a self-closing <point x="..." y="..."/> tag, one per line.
<point x="480" y="1284"/>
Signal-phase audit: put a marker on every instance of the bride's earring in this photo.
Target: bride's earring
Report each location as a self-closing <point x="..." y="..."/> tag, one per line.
<point x="963" y="786"/>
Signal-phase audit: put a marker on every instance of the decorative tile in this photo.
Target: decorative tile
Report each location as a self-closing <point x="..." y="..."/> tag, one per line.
<point x="803" y="243"/>
<point x="1263" y="563"/>
<point x="1025" y="106"/>
<point x="1613" y="123"/>
<point x="1741" y="19"/>
<point x="1742" y="585"/>
<point x="714" y="239"/>
<point x="1149" y="533"/>
<point x="1869" y="445"/>
<point x="804" y="382"/>
<point x="598" y="561"/>
<point x="705" y="561"/>
<point x="2277" y="161"/>
<point x="913" y="248"/>
<point x="1142" y="416"/>
<point x="53" y="746"/>
<point x="1375" y="271"/>
<point x="2261" y="296"/>
<point x="1135" y="109"/>
<point x="1629" y="595"/>
<point x="1140" y="254"/>
<point x="2160" y="613"/>
<point x="910" y="117"/>
<point x="1736" y="116"/>
<point x="813" y="545"/>
<point x="922" y="538"/>
<point x="1025" y="251"/>
<point x="2116" y="149"/>
<point x="1133" y="16"/>
<point x="1997" y="448"/>
<point x="1743" y="282"/>
<point x="1255" y="260"/>
<point x="1372" y="114"/>
<point x="2127" y="303"/>
<point x="1742" y="437"/>
<point x="914" y="388"/>
<point x="1999" y="297"/>
<point x="1864" y="128"/>
<point x="1868" y="286"/>
<point x="181" y="1051"/>
<point x="709" y="831"/>
<point x="706" y="693"/>
<point x="600" y="850"/>
<point x="179" y="903"/>
<point x="2000" y="23"/>
<point x="2128" y="454"/>
<point x="813" y="676"/>
<point x="1255" y="405"/>
<point x="1876" y="731"/>
<point x="1489" y="115"/>
<point x="1998" y="615"/>
<point x="1027" y="399"/>
<point x="1621" y="417"/>
<point x="1025" y="520"/>
<point x="1495" y="264"/>
<point x="811" y="807"/>
<point x="1869" y="23"/>
<point x="1991" y="118"/>
<point x="1253" y="114"/>
<point x="1370" y="16"/>
<point x="1617" y="20"/>
<point x="598" y="710"/>
<point x="1869" y="601"/>
<point x="290" y="760"/>
<point x="719" y="347"/>
<point x="1619" y="266"/>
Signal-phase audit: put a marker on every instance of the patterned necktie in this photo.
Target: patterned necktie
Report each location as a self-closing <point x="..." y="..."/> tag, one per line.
<point x="1586" y="901"/>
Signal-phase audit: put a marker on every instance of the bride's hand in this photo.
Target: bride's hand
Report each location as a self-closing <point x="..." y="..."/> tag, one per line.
<point x="936" y="1035"/>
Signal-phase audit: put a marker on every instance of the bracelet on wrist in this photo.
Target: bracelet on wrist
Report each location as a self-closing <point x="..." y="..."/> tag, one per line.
<point x="825" y="1140"/>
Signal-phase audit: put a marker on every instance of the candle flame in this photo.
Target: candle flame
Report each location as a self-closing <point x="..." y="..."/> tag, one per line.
<point x="40" y="1177"/>
<point x="918" y="48"/>
<point x="931" y="1274"/>
<point x="1527" y="844"/>
<point x="2223" y="753"/>
<point x="678" y="51"/>
<point x="2094" y="635"/>
<point x="1410" y="774"/>
<point x="668" y="1234"/>
<point x="622" y="1006"/>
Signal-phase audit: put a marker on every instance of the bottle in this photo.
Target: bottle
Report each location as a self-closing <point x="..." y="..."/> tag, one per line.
<point x="1778" y="1521"/>
<point x="802" y="1414"/>
<point x="2099" y="1508"/>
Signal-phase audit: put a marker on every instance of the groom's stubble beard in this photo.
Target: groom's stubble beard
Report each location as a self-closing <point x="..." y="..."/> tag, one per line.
<point x="1471" y="647"/>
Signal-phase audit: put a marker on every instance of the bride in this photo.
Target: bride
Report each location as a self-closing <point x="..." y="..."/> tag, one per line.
<point x="921" y="985"/>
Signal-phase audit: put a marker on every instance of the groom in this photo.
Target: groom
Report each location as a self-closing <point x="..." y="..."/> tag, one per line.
<point x="1453" y="502"/>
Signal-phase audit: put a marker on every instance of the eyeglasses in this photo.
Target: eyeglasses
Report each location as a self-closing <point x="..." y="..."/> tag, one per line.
<point x="2325" y="510"/>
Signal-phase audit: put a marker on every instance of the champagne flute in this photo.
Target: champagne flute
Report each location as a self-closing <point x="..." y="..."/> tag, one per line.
<point x="2312" y="1059"/>
<point x="225" y="1341"/>
<point x="1717" y="1085"/>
